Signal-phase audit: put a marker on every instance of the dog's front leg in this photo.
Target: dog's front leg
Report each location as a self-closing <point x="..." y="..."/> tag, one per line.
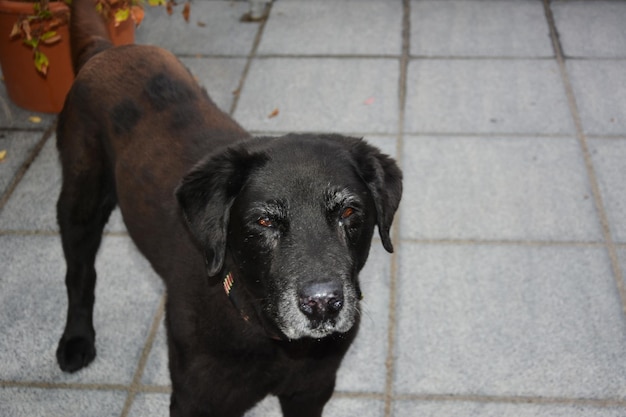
<point x="306" y="404"/>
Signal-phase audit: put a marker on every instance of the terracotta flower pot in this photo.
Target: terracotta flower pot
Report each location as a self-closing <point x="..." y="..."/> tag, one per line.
<point x="25" y="85"/>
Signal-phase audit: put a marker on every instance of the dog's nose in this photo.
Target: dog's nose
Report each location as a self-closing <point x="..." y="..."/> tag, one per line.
<point x="321" y="301"/>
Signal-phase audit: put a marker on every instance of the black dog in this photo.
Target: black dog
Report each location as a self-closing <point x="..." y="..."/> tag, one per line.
<point x="259" y="241"/>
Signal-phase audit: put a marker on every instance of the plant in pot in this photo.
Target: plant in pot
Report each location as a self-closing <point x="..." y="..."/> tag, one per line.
<point x="35" y="51"/>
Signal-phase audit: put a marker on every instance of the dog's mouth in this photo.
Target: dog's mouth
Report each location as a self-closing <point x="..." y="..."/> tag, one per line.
<point x="297" y="318"/>
<point x="318" y="312"/>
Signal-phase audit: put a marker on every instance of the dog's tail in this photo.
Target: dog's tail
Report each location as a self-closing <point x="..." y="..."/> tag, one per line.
<point x="88" y="33"/>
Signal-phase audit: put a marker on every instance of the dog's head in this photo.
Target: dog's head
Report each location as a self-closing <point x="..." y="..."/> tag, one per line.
<point x="292" y="219"/>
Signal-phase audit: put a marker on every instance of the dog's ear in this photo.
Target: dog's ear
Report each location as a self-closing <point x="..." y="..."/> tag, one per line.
<point x="206" y="194"/>
<point x="384" y="181"/>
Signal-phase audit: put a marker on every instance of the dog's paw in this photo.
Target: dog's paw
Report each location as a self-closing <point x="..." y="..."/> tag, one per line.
<point x="75" y="353"/>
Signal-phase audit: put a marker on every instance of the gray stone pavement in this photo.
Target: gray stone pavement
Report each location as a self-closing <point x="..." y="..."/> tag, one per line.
<point x="506" y="294"/>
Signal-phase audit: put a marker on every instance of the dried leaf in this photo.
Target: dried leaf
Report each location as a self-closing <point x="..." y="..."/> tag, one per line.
<point x="55" y="22"/>
<point x="169" y="7"/>
<point x="201" y="24"/>
<point x="3" y="155"/>
<point x="186" y="10"/>
<point x="15" y="31"/>
<point x="137" y="14"/>
<point x="26" y="29"/>
<point x="34" y="119"/>
<point x="273" y="114"/>
<point x="51" y="40"/>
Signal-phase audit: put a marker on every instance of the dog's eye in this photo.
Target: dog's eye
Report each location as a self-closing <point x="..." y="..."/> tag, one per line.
<point x="347" y="212"/>
<point x="265" y="222"/>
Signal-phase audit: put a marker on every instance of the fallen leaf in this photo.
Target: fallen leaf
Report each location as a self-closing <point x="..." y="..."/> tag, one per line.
<point x="3" y="154"/>
<point x="201" y="24"/>
<point x="273" y="114"/>
<point x="369" y="100"/>
<point x="186" y="9"/>
<point x="35" y="119"/>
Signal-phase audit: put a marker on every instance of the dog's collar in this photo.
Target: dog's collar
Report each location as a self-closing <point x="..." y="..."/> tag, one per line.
<point x="228" y="283"/>
<point x="234" y="296"/>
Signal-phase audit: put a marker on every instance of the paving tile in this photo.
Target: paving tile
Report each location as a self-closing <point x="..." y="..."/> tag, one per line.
<point x="591" y="28"/>
<point x="512" y="320"/>
<point x="621" y="256"/>
<point x="496" y="188"/>
<point x="350" y="407"/>
<point x="486" y="96"/>
<point x="387" y="144"/>
<point x="363" y="368"/>
<point x="608" y="157"/>
<point x="32" y="205"/>
<point x="479" y="28"/>
<point x="214" y="28"/>
<point x="27" y="402"/>
<point x="156" y="371"/>
<point x="220" y="77"/>
<point x="150" y="405"/>
<point x="482" y="409"/>
<point x="33" y="307"/>
<point x="18" y="146"/>
<point x="321" y="95"/>
<point x="602" y="105"/>
<point x="269" y="407"/>
<point x="331" y="28"/>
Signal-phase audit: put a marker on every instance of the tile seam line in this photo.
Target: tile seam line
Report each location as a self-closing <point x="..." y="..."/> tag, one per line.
<point x="187" y="55"/>
<point x="78" y="386"/>
<point x="14" y="129"/>
<point x="591" y="173"/>
<point x="21" y="172"/>
<point x="491" y="135"/>
<point x="341" y="57"/>
<point x="353" y="133"/>
<point x="505" y="399"/>
<point x="135" y="386"/>
<point x="249" y="58"/>
<point x="505" y="242"/>
<point x="85" y="386"/>
<point x="393" y="278"/>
